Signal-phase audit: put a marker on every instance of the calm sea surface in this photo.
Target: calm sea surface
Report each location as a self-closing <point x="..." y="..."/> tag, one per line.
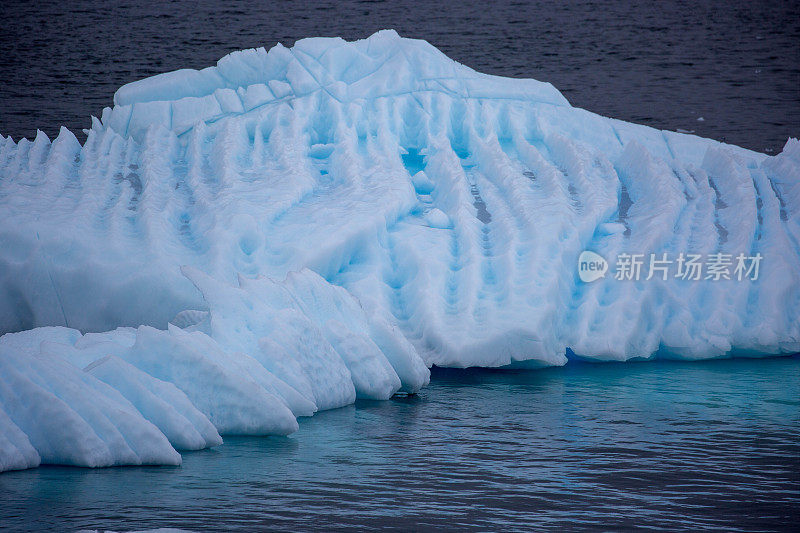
<point x="665" y="445"/>
<point x="733" y="63"/>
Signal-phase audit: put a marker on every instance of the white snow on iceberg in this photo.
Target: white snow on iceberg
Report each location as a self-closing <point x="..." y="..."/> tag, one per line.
<point x="417" y="213"/>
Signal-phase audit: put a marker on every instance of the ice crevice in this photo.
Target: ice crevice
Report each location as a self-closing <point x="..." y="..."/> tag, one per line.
<point x="289" y="230"/>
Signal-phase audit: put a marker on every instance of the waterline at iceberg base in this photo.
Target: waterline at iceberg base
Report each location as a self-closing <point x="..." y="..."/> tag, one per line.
<point x="293" y="229"/>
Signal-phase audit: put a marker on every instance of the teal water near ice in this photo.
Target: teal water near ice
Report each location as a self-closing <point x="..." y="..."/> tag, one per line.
<point x="666" y="445"/>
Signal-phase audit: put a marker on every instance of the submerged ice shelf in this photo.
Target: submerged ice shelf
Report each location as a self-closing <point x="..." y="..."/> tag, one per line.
<point x="290" y="229"/>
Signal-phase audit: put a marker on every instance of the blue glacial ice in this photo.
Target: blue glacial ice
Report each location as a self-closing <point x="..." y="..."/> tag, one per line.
<point x="292" y="229"/>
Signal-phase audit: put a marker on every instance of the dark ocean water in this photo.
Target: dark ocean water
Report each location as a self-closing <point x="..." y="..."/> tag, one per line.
<point x="735" y="63"/>
<point x="658" y="445"/>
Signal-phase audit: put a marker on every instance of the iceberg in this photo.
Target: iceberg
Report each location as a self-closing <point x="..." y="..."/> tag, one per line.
<point x="261" y="354"/>
<point x="289" y="230"/>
